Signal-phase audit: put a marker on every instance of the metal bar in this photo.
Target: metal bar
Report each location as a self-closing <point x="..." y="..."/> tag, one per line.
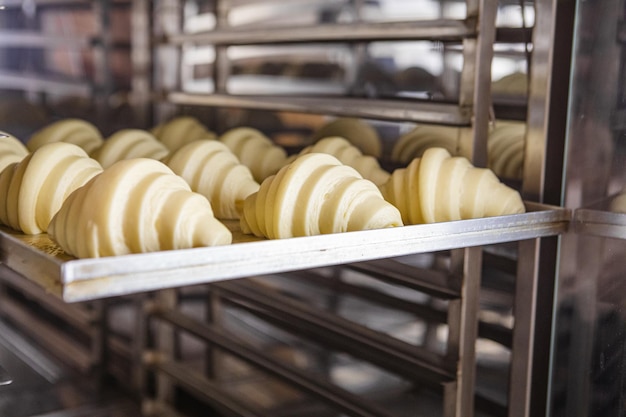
<point x="75" y="315"/>
<point x="337" y="397"/>
<point x="141" y="54"/>
<point x="59" y="344"/>
<point x="401" y="110"/>
<point x="437" y="283"/>
<point x="390" y="353"/>
<point x="442" y="29"/>
<point x="42" y="83"/>
<point x="30" y="39"/>
<point x="166" y="344"/>
<point x="204" y="389"/>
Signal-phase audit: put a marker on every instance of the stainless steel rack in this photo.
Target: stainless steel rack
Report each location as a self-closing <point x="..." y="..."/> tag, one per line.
<point x="164" y="286"/>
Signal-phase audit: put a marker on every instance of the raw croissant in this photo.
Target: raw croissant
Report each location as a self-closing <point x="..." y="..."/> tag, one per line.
<point x="350" y="155"/>
<point x="313" y="195"/>
<point x="11" y="150"/>
<point x="181" y="130"/>
<point x="135" y="205"/>
<point x="356" y="131"/>
<point x="506" y="149"/>
<point x="256" y="151"/>
<point x="438" y="188"/>
<point x="76" y="131"/>
<point x="413" y="144"/>
<point x="34" y="189"/>
<point x="211" y="169"/>
<point x="128" y="144"/>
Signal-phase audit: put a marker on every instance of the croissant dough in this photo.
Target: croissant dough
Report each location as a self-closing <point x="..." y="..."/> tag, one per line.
<point x="35" y="188"/>
<point x="350" y="155"/>
<point x="439" y="187"/>
<point x="76" y="131"/>
<point x="211" y="169"/>
<point x="413" y="144"/>
<point x="181" y="130"/>
<point x="313" y="195"/>
<point x="505" y="146"/>
<point x="255" y="150"/>
<point x="128" y="144"/>
<point x="134" y="206"/>
<point x="11" y="150"/>
<point x="356" y="131"/>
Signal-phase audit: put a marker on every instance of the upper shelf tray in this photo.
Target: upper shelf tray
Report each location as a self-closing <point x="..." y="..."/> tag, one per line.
<point x="39" y="259"/>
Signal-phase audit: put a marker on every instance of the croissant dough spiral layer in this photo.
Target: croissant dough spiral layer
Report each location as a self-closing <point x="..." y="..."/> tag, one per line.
<point x="211" y="169"/>
<point x="35" y="188"/>
<point x="11" y="150"/>
<point x="356" y="131"/>
<point x="134" y="206"/>
<point x="128" y="144"/>
<point x="255" y="150"/>
<point x="350" y="155"/>
<point x="439" y="187"/>
<point x="313" y="195"/>
<point x="76" y="131"/>
<point x="181" y="130"/>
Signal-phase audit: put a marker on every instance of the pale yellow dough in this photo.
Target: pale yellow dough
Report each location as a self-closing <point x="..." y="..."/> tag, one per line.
<point x="134" y="206"/>
<point x="76" y="131"/>
<point x="439" y="188"/>
<point x="34" y="189"/>
<point x="413" y="144"/>
<point x="181" y="130"/>
<point x="316" y="194"/>
<point x="358" y="132"/>
<point x="505" y="146"/>
<point x="349" y="154"/>
<point x="11" y="150"/>
<point x="211" y="169"/>
<point x="255" y="150"/>
<point x="128" y="144"/>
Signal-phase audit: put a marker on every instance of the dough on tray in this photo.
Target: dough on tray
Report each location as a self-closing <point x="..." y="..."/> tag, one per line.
<point x="181" y="130"/>
<point x="34" y="189"/>
<point x="76" y="131"/>
<point x="316" y="194"/>
<point x="211" y="169"/>
<point x="505" y="146"/>
<point x="358" y="132"/>
<point x="349" y="154"/>
<point x="128" y="144"/>
<point x="135" y="205"/>
<point x="11" y="150"/>
<point x="255" y="150"/>
<point x="439" y="187"/>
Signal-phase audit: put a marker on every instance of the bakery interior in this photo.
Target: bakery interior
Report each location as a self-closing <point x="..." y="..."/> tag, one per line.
<point x="518" y="315"/>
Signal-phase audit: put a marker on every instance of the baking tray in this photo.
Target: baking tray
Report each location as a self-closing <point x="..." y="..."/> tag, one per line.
<point x="39" y="259"/>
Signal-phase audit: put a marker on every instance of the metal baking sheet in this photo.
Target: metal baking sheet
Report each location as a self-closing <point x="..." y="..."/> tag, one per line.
<point x="39" y="259"/>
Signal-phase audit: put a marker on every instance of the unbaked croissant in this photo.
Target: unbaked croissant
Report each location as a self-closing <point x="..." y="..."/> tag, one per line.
<point x="255" y="150"/>
<point x="413" y="144"/>
<point x="11" y="150"/>
<point x="128" y="144"/>
<point x="356" y="131"/>
<point x="34" y="189"/>
<point x="505" y="146"/>
<point x="211" y="169"/>
<point x="316" y="194"/>
<point x="134" y="206"/>
<point x="181" y="130"/>
<point x="349" y="154"/>
<point x="76" y="131"/>
<point x="439" y="187"/>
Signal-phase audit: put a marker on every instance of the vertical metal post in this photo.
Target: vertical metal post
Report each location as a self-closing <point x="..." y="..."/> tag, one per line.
<point x="166" y="344"/>
<point x="214" y="317"/>
<point x="462" y="333"/>
<point x="221" y="65"/>
<point x="101" y="53"/>
<point x="475" y="91"/>
<point x="141" y="54"/>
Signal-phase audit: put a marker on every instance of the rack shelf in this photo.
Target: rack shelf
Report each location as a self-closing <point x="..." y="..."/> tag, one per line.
<point x="599" y="220"/>
<point x="39" y="259"/>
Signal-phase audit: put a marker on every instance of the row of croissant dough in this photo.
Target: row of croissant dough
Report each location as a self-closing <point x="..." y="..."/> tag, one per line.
<point x="141" y="191"/>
